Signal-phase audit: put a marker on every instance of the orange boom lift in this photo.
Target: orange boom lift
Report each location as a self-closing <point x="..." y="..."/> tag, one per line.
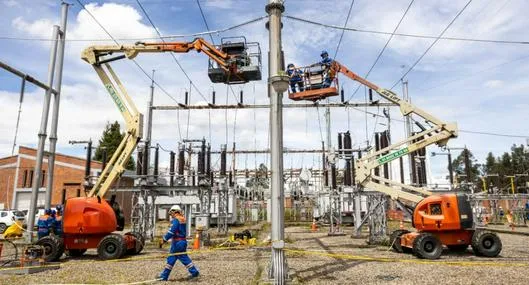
<point x="439" y="220"/>
<point x="90" y="222"/>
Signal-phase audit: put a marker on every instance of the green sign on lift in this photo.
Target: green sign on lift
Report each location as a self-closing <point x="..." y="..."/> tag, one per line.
<point x="115" y="97"/>
<point x="393" y="155"/>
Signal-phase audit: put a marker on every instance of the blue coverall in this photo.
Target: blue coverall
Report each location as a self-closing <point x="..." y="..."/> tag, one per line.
<point x="327" y="62"/>
<point x="44" y="224"/>
<point x="295" y="79"/>
<point x="58" y="224"/>
<point x="177" y="236"/>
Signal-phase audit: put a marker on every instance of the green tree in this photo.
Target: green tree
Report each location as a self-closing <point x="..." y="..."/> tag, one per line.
<point x="475" y="168"/>
<point x="260" y="179"/>
<point x="110" y="140"/>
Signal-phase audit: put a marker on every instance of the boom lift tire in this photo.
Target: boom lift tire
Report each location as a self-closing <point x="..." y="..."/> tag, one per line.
<point x="74" y="252"/>
<point x="111" y="246"/>
<point x="485" y="243"/>
<point x="427" y="246"/>
<point x="458" y="247"/>
<point x="394" y="239"/>
<point x="53" y="247"/>
<point x="140" y="242"/>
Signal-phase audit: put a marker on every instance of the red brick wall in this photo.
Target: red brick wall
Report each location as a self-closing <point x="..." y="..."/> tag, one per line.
<point x="62" y="174"/>
<point x="7" y="179"/>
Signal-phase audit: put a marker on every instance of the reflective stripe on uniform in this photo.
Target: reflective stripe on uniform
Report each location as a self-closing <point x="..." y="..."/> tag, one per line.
<point x="190" y="265"/>
<point x="168" y="266"/>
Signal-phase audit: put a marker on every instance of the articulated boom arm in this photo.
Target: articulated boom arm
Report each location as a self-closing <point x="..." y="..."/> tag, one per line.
<point x="93" y="54"/>
<point x="439" y="134"/>
<point x="134" y="126"/>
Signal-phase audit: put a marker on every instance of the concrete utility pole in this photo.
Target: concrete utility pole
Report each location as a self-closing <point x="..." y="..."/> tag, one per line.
<point x="277" y="84"/>
<point x="408" y="127"/>
<point x="56" y="60"/>
<point x="56" y="103"/>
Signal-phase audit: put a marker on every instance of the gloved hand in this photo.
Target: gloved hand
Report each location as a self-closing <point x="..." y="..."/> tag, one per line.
<point x="160" y="243"/>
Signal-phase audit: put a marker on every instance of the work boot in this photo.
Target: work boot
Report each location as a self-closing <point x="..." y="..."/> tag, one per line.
<point x="193" y="276"/>
<point x="159" y="277"/>
<point x="163" y="276"/>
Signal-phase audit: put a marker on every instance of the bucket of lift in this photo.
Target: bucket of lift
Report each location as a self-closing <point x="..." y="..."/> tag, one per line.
<point x="245" y="62"/>
<point x="314" y="87"/>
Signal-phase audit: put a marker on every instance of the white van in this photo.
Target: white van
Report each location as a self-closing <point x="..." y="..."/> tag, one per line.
<point x="8" y="217"/>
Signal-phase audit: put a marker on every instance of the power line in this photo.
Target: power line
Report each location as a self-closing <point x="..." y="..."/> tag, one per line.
<point x="431" y="45"/>
<point x="343" y="31"/>
<point x="494" y="134"/>
<point x="465" y="39"/>
<point x="383" y="49"/>
<point x="461" y="131"/>
<point x="205" y="22"/>
<point x="232" y="92"/>
<point x="199" y="34"/>
<point x="133" y="60"/>
<point x="473" y="74"/>
<point x="172" y="54"/>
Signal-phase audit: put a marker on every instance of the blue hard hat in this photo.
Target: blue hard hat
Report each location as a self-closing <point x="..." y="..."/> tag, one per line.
<point x="290" y="64"/>
<point x="53" y="212"/>
<point x="58" y="207"/>
<point x="324" y="52"/>
<point x="47" y="211"/>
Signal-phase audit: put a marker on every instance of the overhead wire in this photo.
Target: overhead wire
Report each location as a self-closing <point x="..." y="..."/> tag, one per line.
<point x="461" y="131"/>
<point x="431" y="45"/>
<point x="213" y="42"/>
<point x="384" y="48"/>
<point x="464" y="39"/>
<point x="116" y="41"/>
<point x="343" y="31"/>
<point x="444" y="83"/>
<point x="172" y="54"/>
<point x="143" y="38"/>
<point x="233" y="93"/>
<point x="133" y="60"/>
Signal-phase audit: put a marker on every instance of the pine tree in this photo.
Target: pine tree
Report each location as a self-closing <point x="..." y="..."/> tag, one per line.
<point x="110" y="140"/>
<point x="475" y="168"/>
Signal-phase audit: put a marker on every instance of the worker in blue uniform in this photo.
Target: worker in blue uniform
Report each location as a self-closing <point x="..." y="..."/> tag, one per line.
<point x="326" y="61"/>
<point x="177" y="237"/>
<point x="44" y="224"/>
<point x="296" y="77"/>
<point x="58" y="221"/>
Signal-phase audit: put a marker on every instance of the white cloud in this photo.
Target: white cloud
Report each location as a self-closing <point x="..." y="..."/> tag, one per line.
<point x="86" y="107"/>
<point x="10" y="3"/>
<point x="494" y="83"/>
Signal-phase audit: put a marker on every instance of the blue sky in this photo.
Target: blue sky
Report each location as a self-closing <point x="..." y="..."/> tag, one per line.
<point x="481" y="86"/>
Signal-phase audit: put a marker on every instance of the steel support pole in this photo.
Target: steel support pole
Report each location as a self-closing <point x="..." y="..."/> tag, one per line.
<point x="277" y="269"/>
<point x="21" y="99"/>
<point x="56" y="102"/>
<point x="42" y="134"/>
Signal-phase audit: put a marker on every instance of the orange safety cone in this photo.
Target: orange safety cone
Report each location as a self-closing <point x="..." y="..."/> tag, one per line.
<point x="314" y="228"/>
<point x="196" y="242"/>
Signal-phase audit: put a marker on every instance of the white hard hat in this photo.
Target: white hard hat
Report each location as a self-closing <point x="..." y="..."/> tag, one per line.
<point x="175" y="208"/>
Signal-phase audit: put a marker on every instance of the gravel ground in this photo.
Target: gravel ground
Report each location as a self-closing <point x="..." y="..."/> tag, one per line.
<point x="248" y="266"/>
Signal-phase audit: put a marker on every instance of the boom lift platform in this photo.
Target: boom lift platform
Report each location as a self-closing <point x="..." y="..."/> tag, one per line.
<point x="90" y="222"/>
<point x="439" y="220"/>
<point x="313" y="81"/>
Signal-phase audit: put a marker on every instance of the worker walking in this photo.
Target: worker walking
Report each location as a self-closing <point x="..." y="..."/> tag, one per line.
<point x="44" y="224"/>
<point x="296" y="78"/>
<point x="177" y="236"/>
